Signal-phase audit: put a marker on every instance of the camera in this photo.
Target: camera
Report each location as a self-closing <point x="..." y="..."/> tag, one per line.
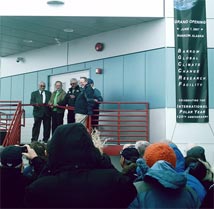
<point x="24" y="149"/>
<point x="19" y="59"/>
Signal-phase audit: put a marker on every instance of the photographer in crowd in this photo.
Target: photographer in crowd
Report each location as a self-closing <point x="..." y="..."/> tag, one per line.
<point x="13" y="182"/>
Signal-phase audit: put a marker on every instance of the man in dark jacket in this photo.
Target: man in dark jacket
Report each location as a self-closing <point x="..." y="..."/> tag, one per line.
<point x="41" y="112"/>
<point x="84" y="102"/>
<point x="70" y="99"/>
<point x="78" y="177"/>
<point x="13" y="183"/>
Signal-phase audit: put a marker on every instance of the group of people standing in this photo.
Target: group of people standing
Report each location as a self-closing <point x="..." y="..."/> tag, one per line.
<point x="81" y="100"/>
<point x="71" y="171"/>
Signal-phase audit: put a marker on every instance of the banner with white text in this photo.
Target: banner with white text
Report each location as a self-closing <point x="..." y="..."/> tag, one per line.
<point x="192" y="105"/>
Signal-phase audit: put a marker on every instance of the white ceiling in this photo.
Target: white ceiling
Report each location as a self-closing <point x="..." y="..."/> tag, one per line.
<point x="23" y="33"/>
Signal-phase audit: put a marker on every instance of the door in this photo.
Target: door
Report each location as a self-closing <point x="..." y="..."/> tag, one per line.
<point x="65" y="79"/>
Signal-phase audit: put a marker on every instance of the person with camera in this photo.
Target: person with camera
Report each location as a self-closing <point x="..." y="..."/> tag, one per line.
<point x="13" y="182"/>
<point x="36" y="162"/>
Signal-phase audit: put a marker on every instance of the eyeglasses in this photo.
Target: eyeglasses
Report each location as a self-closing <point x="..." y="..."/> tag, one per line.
<point x="42" y="85"/>
<point x="72" y="83"/>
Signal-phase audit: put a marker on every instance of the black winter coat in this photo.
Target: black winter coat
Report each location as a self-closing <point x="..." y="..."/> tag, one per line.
<point x="79" y="176"/>
<point x="81" y="188"/>
<point x="85" y="101"/>
<point x="68" y="100"/>
<point x="13" y="185"/>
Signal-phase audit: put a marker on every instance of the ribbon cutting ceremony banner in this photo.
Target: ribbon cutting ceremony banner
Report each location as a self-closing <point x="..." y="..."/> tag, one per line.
<point x="192" y="105"/>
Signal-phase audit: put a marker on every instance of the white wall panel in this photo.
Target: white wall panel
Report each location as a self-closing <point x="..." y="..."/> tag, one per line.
<point x="193" y="133"/>
<point x="123" y="41"/>
<point x="118" y="8"/>
<point x="170" y="40"/>
<point x="209" y="8"/>
<point x="210" y="32"/>
<point x="35" y="60"/>
<point x="157" y="125"/>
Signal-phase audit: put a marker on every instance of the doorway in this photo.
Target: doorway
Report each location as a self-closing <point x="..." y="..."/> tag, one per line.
<point x="65" y="79"/>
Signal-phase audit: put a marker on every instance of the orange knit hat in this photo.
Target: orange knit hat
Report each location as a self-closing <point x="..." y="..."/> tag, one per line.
<point x="159" y="151"/>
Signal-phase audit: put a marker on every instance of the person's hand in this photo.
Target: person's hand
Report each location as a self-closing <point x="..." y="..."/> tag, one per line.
<point x="30" y="154"/>
<point x="72" y="96"/>
<point x="50" y="105"/>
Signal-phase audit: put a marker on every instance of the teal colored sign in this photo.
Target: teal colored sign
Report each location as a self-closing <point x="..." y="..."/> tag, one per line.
<point x="192" y="105"/>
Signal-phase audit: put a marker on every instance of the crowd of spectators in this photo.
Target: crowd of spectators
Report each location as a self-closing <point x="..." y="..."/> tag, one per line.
<point x="70" y="171"/>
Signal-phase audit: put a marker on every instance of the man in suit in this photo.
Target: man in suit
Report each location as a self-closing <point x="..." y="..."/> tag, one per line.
<point x="41" y="112"/>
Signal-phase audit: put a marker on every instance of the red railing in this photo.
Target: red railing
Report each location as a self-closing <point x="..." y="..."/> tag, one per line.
<point x="123" y="122"/>
<point x="11" y="114"/>
<point x="118" y="122"/>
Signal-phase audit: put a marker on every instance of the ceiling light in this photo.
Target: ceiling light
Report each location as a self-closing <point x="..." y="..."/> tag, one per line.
<point x="68" y="30"/>
<point x="55" y="3"/>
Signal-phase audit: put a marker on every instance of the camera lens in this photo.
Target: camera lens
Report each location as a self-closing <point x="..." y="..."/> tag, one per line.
<point x="24" y="149"/>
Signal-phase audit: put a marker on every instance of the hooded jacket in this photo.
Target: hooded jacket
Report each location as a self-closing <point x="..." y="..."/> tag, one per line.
<point x="13" y="185"/>
<point x="163" y="187"/>
<point x="78" y="176"/>
<point x="192" y="181"/>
